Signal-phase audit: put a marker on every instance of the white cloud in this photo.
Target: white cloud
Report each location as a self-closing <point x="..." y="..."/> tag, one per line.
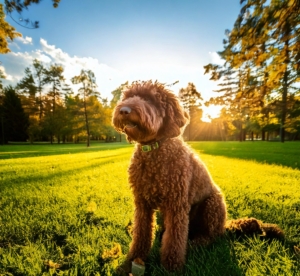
<point x="108" y="78"/>
<point x="15" y="63"/>
<point x="215" y="58"/>
<point x="7" y="76"/>
<point x="26" y="40"/>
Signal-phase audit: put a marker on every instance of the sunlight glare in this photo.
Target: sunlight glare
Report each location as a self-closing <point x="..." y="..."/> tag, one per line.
<point x="211" y="112"/>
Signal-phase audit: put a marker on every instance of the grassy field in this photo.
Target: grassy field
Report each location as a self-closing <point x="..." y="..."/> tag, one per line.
<point x="64" y="209"/>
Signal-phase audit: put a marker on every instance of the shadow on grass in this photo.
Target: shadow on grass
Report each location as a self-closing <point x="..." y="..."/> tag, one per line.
<point x="54" y="173"/>
<point x="285" y="154"/>
<point x="215" y="260"/>
<point x="24" y="150"/>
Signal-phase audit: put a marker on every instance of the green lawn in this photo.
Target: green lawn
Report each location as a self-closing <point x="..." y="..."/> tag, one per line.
<point x="286" y="154"/>
<point x="64" y="209"/>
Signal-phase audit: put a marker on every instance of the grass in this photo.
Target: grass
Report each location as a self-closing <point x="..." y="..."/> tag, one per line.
<point x="21" y="150"/>
<point x="64" y="209"/>
<point x="286" y="154"/>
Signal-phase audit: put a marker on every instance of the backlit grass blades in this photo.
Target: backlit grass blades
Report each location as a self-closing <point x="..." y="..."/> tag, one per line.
<point x="66" y="210"/>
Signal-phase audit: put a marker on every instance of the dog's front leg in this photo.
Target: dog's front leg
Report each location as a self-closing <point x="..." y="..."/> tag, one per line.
<point x="175" y="237"/>
<point x="142" y="231"/>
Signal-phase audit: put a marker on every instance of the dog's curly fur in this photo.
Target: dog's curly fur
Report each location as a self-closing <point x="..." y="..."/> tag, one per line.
<point x="170" y="177"/>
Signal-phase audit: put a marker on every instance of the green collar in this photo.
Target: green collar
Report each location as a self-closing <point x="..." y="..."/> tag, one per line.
<point x="147" y="148"/>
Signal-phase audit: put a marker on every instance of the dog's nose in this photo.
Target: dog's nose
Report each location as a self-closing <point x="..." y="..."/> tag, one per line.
<point x="125" y="110"/>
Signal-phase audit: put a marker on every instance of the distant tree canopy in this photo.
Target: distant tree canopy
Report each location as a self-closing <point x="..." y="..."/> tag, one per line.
<point x="261" y="73"/>
<point x="51" y="111"/>
<point x="117" y="94"/>
<point x="14" y="121"/>
<point x="191" y="101"/>
<point x="88" y="81"/>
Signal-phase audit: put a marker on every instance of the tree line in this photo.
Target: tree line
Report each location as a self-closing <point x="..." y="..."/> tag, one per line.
<point x="42" y="107"/>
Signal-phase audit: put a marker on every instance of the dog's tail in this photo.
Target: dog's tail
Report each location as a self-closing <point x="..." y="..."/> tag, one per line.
<point x="252" y="226"/>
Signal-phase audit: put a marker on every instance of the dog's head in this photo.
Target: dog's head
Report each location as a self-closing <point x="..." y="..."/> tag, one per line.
<point x="148" y="111"/>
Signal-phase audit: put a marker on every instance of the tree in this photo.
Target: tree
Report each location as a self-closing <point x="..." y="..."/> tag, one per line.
<point x="19" y="6"/>
<point x="28" y="87"/>
<point x="15" y="121"/>
<point x="99" y="117"/>
<point x="7" y="33"/>
<point x="38" y="74"/>
<point x="1" y="77"/>
<point x="117" y="93"/>
<point x="267" y="36"/>
<point x="88" y="81"/>
<point x="54" y="77"/>
<point x="31" y="88"/>
<point x="238" y="93"/>
<point x="191" y="100"/>
<point x="32" y="84"/>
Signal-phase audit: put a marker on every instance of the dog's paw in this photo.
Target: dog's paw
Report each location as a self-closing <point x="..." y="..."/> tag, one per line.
<point x="124" y="269"/>
<point x="172" y="264"/>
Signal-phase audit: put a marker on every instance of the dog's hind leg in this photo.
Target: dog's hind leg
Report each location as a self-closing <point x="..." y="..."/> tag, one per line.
<point x="207" y="220"/>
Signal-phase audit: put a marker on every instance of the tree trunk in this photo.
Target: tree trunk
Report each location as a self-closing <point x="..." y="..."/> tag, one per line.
<point x="285" y="82"/>
<point x="241" y="132"/>
<point x="40" y="104"/>
<point x="284" y="107"/>
<point x="86" y="124"/>
<point x="2" y="130"/>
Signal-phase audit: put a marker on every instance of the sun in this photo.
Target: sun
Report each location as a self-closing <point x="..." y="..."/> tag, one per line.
<point x="211" y="112"/>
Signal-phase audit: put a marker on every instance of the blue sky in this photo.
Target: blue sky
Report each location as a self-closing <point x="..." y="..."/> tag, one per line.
<point x="120" y="40"/>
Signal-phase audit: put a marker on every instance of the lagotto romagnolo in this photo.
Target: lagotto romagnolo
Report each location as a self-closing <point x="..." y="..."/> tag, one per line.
<point x="166" y="175"/>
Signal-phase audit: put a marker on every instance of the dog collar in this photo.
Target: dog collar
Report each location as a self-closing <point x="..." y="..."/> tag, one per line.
<point x="152" y="145"/>
<point x="147" y="148"/>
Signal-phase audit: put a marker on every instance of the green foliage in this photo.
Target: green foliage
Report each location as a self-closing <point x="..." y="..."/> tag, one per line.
<point x="69" y="214"/>
<point x="7" y="32"/>
<point x="88" y="81"/>
<point x="54" y="76"/>
<point x="190" y="97"/>
<point x="58" y="114"/>
<point x="117" y="94"/>
<point x="261" y="63"/>
<point x="14" y="121"/>
<point x="191" y="101"/>
<point x="19" y="6"/>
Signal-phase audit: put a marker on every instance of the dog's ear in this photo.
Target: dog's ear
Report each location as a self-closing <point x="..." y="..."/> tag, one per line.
<point x="175" y="117"/>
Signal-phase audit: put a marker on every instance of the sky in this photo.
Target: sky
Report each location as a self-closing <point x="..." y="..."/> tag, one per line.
<point x="125" y="40"/>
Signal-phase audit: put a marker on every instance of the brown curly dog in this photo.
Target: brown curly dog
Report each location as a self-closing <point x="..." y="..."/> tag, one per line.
<point x="165" y="174"/>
